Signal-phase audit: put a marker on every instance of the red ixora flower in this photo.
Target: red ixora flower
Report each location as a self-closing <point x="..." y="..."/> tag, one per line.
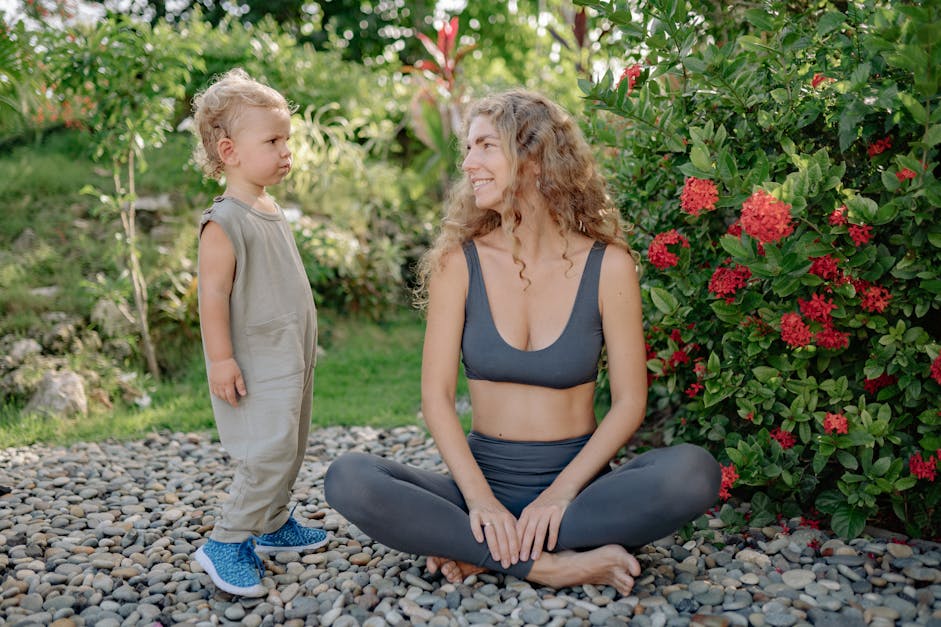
<point x="838" y="216"/>
<point x="631" y="73"/>
<point x="658" y="253"/>
<point x="832" y="339"/>
<point x="766" y="218"/>
<point x="924" y="468"/>
<point x="729" y="477"/>
<point x="794" y="331"/>
<point x="835" y="423"/>
<point x="882" y="381"/>
<point x="782" y="437"/>
<point x="860" y="234"/>
<point x="698" y="195"/>
<point x="693" y="389"/>
<point x="825" y="267"/>
<point x="879" y="146"/>
<point x="818" y="308"/>
<point x="904" y="174"/>
<point x="875" y="298"/>
<point x="726" y="281"/>
<point x="936" y="369"/>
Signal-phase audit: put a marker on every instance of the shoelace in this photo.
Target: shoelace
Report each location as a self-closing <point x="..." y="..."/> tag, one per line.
<point x="247" y="550"/>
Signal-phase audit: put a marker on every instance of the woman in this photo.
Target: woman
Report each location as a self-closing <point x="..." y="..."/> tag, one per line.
<point x="527" y="280"/>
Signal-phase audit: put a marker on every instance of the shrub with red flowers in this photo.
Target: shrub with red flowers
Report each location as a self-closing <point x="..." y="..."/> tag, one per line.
<point x="810" y="276"/>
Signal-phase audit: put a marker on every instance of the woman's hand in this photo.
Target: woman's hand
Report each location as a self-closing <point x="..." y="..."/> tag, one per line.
<point x="225" y="380"/>
<point x="492" y="522"/>
<point x="538" y="525"/>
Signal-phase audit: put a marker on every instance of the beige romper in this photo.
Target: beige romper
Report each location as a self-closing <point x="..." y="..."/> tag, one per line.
<point x="274" y="338"/>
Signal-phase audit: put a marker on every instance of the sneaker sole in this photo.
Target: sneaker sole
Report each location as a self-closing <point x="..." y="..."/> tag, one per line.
<point x="204" y="561"/>
<point x="265" y="548"/>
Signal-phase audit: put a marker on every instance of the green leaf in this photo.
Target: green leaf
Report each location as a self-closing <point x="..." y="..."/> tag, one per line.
<point x="663" y="300"/>
<point x="830" y="22"/>
<point x="848" y="522"/>
<point x="932" y="136"/>
<point x="847" y="460"/>
<point x="760" y="19"/>
<point x="881" y="466"/>
<point x="764" y="373"/>
<point x="734" y="246"/>
<point x="914" y="107"/>
<point x="700" y="158"/>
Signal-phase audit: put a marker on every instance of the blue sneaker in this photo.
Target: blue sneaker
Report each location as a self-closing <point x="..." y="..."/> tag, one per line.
<point x="233" y="567"/>
<point x="291" y="537"/>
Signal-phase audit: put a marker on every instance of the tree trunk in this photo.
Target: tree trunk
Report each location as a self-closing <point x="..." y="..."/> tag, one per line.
<point x="129" y="221"/>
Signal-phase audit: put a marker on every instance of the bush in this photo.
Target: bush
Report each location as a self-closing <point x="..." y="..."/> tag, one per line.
<point x="783" y="184"/>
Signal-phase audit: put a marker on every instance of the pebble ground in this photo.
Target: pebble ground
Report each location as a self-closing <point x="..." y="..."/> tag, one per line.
<point x="102" y="534"/>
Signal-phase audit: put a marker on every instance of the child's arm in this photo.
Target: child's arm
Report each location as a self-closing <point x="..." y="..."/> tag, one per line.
<point x="216" y="274"/>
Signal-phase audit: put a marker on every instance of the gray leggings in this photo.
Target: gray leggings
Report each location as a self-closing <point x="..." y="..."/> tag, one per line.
<point x="423" y="512"/>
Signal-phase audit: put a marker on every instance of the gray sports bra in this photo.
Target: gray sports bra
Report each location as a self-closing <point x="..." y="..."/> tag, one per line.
<point x="569" y="361"/>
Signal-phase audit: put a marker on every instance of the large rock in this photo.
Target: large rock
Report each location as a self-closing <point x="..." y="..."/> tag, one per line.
<point x="22" y="349"/>
<point x="114" y="319"/>
<point x="60" y="393"/>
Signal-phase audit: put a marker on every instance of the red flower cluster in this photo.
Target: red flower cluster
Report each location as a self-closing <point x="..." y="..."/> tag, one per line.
<point x="729" y="477"/>
<point x="658" y="254"/>
<point x="882" y="381"/>
<point x="726" y="281"/>
<point x="698" y="195"/>
<point x="818" y="79"/>
<point x="936" y="369"/>
<point x="875" y="298"/>
<point x="838" y="217"/>
<point x="825" y="267"/>
<point x="693" y="389"/>
<point x="793" y="330"/>
<point x="860" y="233"/>
<point x="924" y="468"/>
<point x="879" y="146"/>
<point x="818" y="308"/>
<point x="904" y="174"/>
<point x="782" y="437"/>
<point x="830" y="338"/>
<point x="766" y="218"/>
<point x="835" y="423"/>
<point x="631" y="73"/>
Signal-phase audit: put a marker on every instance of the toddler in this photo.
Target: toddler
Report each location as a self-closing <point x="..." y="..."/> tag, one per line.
<point x="259" y="329"/>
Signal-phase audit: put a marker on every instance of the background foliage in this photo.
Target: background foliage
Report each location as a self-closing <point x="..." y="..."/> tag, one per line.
<point x="782" y="178"/>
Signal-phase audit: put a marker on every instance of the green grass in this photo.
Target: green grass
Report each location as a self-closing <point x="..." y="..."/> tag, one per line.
<point x="369" y="375"/>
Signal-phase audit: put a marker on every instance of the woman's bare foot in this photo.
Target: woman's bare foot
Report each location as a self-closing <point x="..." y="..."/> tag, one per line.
<point x="453" y="570"/>
<point x="609" y="565"/>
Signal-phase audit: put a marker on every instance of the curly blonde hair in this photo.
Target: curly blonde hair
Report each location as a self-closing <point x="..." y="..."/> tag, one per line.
<point x="216" y="111"/>
<point x="534" y="129"/>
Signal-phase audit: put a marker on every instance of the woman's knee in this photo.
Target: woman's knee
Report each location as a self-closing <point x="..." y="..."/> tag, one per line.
<point x="696" y="474"/>
<point x="348" y="480"/>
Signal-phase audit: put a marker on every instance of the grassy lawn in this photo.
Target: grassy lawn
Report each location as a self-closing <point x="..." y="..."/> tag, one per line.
<point x="369" y="375"/>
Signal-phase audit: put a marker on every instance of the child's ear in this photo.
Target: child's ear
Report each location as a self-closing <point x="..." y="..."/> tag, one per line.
<point x="226" y="150"/>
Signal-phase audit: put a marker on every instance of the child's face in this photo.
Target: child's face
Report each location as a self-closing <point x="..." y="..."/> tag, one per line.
<point x="261" y="155"/>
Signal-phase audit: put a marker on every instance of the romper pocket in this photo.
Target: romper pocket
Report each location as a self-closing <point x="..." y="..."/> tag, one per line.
<point x="275" y="348"/>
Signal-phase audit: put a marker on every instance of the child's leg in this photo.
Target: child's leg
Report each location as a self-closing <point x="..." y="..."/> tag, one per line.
<point x="408" y="509"/>
<point x="262" y="436"/>
<point x="647" y="498"/>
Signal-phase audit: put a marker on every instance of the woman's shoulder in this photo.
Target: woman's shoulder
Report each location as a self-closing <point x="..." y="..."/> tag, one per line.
<point x="619" y="263"/>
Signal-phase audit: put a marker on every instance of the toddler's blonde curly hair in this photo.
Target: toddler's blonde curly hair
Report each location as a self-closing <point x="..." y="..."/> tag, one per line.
<point x="216" y="112"/>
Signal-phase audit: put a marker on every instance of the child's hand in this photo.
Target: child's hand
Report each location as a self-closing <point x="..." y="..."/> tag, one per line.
<point x="225" y="380"/>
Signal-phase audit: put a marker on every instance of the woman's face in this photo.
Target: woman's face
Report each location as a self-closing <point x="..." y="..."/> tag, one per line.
<point x="486" y="164"/>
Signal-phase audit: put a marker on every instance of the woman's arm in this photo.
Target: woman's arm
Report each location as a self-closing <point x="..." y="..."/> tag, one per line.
<point x="489" y="520"/>
<point x="619" y="296"/>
